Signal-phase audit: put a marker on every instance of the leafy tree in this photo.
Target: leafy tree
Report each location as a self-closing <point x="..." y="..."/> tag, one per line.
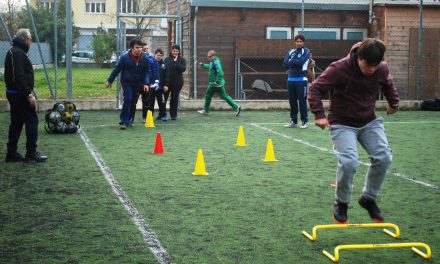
<point x="8" y="12"/>
<point x="103" y="45"/>
<point x="43" y="18"/>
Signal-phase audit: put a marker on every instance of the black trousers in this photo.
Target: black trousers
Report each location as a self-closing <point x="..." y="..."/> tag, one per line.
<point x="174" y="91"/>
<point x="160" y="97"/>
<point x="145" y="102"/>
<point x="22" y="114"/>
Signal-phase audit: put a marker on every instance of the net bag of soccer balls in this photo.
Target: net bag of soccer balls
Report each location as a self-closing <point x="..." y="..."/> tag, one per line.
<point x="62" y="118"/>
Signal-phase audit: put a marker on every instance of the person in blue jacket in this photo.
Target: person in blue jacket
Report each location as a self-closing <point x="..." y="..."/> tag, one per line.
<point x="296" y="62"/>
<point x="135" y="69"/>
<point x="145" y="96"/>
<point x="160" y="86"/>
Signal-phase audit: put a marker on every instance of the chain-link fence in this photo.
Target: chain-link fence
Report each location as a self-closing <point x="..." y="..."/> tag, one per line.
<point x="94" y="42"/>
<point x="102" y="30"/>
<point x="330" y="32"/>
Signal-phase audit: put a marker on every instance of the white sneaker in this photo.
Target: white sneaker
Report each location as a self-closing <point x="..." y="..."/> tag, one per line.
<point x="291" y="124"/>
<point x="304" y="125"/>
<point x="237" y="111"/>
<point x="203" y="112"/>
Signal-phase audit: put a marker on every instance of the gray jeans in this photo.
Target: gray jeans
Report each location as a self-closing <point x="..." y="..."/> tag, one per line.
<point x="373" y="139"/>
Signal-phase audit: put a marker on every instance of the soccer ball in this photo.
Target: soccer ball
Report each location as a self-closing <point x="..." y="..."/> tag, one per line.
<point x="67" y="117"/>
<point x="60" y="107"/>
<point x="70" y="107"/>
<point x="75" y="117"/>
<point x="54" y="117"/>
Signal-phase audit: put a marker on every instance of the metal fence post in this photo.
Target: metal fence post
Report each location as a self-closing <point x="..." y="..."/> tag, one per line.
<point x="55" y="48"/>
<point x="69" y="49"/>
<point x="31" y="17"/>
<point x="419" y="52"/>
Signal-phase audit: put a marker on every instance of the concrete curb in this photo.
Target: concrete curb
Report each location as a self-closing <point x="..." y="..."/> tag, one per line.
<point x="95" y="104"/>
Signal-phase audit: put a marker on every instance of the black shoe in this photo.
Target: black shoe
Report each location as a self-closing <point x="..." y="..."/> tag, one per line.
<point x="35" y="156"/>
<point x="173" y="118"/>
<point x="122" y="126"/>
<point x="17" y="157"/>
<point x="340" y="212"/>
<point x="158" y="117"/>
<point x="371" y="206"/>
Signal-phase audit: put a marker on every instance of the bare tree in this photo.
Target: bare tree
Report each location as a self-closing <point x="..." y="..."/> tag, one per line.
<point x="142" y="7"/>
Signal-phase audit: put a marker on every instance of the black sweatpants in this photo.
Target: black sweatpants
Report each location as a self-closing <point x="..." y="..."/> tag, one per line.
<point x="22" y="114"/>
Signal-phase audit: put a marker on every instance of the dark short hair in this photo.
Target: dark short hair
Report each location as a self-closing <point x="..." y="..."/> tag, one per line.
<point x="135" y="42"/>
<point x="372" y="50"/>
<point x="175" y="46"/>
<point x="160" y="51"/>
<point x="299" y="36"/>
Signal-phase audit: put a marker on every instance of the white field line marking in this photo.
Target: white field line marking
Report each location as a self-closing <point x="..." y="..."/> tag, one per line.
<point x="222" y="124"/>
<point x="148" y="234"/>
<point x="389" y="122"/>
<point x="332" y="152"/>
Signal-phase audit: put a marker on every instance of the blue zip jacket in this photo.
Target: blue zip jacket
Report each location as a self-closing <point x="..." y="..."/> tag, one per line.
<point x="296" y="61"/>
<point x="152" y="61"/>
<point x="163" y="73"/>
<point x="131" y="72"/>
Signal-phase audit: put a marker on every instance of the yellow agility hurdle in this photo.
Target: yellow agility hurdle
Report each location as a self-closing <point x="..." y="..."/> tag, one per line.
<point x="334" y="226"/>
<point x="413" y="246"/>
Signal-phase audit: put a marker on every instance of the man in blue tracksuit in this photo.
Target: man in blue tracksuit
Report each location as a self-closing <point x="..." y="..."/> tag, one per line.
<point x="135" y="71"/>
<point x="296" y="61"/>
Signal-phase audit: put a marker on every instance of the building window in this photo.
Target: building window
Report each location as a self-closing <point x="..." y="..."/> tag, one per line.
<point x="164" y="8"/>
<point x="354" y="33"/>
<point x="128" y="6"/>
<point x="320" y="33"/>
<point x="95" y="6"/>
<point x="278" y="33"/>
<point x="48" y="4"/>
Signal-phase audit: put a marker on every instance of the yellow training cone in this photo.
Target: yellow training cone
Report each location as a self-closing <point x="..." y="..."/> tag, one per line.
<point x="149" y="122"/>
<point x="241" y="142"/>
<point x="200" y="169"/>
<point x="270" y="155"/>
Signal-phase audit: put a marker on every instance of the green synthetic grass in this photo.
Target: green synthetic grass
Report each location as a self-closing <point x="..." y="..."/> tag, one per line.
<point x="244" y="211"/>
<point x="87" y="83"/>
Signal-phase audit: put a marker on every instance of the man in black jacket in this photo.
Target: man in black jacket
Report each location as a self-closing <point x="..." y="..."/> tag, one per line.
<point x="19" y="80"/>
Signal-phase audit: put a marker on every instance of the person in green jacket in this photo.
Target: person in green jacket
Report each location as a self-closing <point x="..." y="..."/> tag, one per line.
<point x="216" y="84"/>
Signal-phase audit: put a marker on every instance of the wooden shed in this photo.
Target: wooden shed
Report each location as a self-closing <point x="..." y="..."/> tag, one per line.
<point x="397" y="23"/>
<point x="251" y="38"/>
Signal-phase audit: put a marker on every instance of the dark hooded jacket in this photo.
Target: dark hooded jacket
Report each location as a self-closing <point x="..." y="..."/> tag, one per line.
<point x="19" y="74"/>
<point x="352" y="94"/>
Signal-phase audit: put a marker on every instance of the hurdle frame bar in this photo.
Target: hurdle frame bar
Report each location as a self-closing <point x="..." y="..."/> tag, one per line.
<point x="369" y="225"/>
<point x="413" y="246"/>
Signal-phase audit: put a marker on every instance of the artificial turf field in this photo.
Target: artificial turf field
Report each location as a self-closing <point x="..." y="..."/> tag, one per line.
<point x="244" y="211"/>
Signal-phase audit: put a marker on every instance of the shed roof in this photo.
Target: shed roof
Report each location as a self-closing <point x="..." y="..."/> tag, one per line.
<point x="308" y="4"/>
<point x="286" y="4"/>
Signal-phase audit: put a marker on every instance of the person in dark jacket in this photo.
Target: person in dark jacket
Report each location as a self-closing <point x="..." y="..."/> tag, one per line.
<point x="135" y="69"/>
<point x="353" y="84"/>
<point x="19" y="80"/>
<point x="160" y="85"/>
<point x="176" y="65"/>
<point x="296" y="62"/>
